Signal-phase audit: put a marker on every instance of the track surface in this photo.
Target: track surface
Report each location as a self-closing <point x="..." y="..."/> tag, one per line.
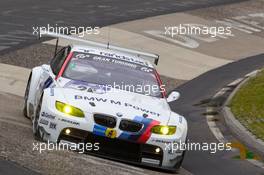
<point x="201" y="88"/>
<point x="6" y="167"/>
<point x="17" y="17"/>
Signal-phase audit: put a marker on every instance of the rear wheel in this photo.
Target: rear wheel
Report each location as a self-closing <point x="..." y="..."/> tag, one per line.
<point x="25" y="112"/>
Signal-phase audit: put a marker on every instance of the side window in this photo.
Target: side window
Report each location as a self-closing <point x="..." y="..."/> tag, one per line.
<point x="57" y="62"/>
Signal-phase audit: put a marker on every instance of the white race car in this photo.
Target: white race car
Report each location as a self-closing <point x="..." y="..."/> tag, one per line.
<point x="83" y="96"/>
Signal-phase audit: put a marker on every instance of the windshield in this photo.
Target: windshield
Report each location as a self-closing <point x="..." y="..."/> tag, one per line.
<point x="114" y="73"/>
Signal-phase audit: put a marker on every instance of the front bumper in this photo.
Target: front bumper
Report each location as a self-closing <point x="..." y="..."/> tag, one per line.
<point x="83" y="131"/>
<point x="120" y="150"/>
<point x="114" y="148"/>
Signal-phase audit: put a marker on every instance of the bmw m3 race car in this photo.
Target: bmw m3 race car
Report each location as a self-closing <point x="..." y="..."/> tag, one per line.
<point x="84" y="96"/>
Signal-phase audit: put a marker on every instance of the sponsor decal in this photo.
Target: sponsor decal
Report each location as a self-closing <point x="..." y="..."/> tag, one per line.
<point x="47" y="115"/>
<point x="161" y="141"/>
<point x="53" y="125"/>
<point x="47" y="83"/>
<point x="51" y="91"/>
<point x="112" y="58"/>
<point x="92" y="104"/>
<point x="86" y="50"/>
<point x="105" y="100"/>
<point x="43" y="121"/>
<point x="146" y="69"/>
<point x="70" y="121"/>
<point x="88" y="87"/>
<point x="180" y="119"/>
<point x="145" y="115"/>
<point x="124" y="58"/>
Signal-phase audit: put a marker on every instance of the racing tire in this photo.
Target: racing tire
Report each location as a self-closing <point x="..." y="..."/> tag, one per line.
<point x="35" y="126"/>
<point x="25" y="112"/>
<point x="179" y="163"/>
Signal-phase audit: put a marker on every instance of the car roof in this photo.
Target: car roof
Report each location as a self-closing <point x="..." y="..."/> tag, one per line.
<point x="132" y="58"/>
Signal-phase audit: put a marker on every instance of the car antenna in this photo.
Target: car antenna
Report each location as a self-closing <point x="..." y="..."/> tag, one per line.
<point x="108" y="42"/>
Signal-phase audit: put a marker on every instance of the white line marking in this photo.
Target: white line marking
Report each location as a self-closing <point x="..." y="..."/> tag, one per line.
<point x="213" y="127"/>
<point x="236" y="82"/>
<point x="253" y="73"/>
<point x="12" y="24"/>
<point x="4" y="47"/>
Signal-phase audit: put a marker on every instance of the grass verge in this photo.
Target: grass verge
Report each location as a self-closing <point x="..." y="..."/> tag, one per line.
<point x="248" y="105"/>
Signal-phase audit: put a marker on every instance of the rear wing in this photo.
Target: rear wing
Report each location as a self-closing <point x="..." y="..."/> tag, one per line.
<point x="148" y="56"/>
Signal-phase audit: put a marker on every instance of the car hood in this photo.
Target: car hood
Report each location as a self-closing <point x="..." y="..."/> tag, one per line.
<point x="119" y="103"/>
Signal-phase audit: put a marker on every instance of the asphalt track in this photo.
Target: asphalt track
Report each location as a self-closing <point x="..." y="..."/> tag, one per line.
<point x="202" y="88"/>
<point x="18" y="17"/>
<point x="10" y="168"/>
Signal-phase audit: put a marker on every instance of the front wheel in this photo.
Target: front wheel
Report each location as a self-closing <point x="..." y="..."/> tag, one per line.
<point x="179" y="164"/>
<point x="25" y="112"/>
<point x="36" y="130"/>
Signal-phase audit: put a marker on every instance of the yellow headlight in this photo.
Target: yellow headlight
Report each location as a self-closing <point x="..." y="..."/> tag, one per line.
<point x="164" y="130"/>
<point x="68" y="109"/>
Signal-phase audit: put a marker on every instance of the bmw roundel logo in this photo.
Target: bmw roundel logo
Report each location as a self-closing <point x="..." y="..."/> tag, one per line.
<point x="119" y="114"/>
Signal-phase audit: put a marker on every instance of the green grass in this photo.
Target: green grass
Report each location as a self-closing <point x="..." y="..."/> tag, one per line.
<point x="249" y="155"/>
<point x="248" y="105"/>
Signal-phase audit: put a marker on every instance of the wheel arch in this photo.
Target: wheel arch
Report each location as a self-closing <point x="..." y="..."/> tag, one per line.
<point x="35" y="78"/>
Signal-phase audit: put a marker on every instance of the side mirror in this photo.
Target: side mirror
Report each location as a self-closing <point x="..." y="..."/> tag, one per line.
<point x="173" y="96"/>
